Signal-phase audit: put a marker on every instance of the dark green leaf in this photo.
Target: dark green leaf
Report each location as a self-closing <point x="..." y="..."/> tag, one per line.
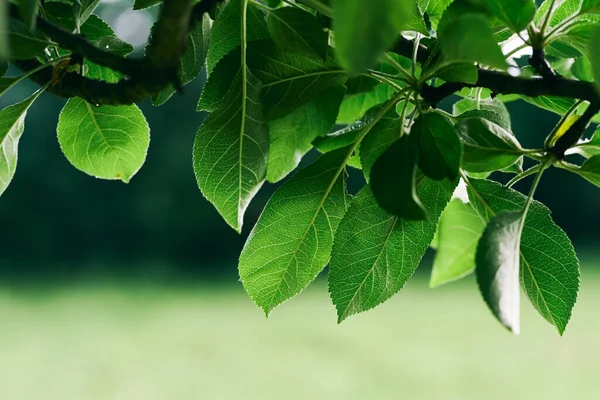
<point x="590" y="170"/>
<point x="24" y="43"/>
<point x="83" y="9"/>
<point x="60" y="14"/>
<point x="29" y="12"/>
<point x="3" y="67"/>
<point x="375" y="253"/>
<point x="142" y="4"/>
<point x="517" y="14"/>
<point x="363" y="31"/>
<point x="291" y="242"/>
<point x="490" y="109"/>
<point x="298" y="31"/>
<point x="594" y="56"/>
<point x="231" y="150"/>
<point x="385" y="133"/>
<point x="98" y="32"/>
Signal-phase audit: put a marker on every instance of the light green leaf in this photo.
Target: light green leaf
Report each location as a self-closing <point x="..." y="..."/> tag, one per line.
<point x="375" y="253"/>
<point x="298" y="31"/>
<point x="143" y="4"/>
<point x="549" y="268"/>
<point x="497" y="269"/>
<point x="491" y="109"/>
<point x="356" y="105"/>
<point x="590" y="170"/>
<point x="469" y="38"/>
<point x="226" y="31"/>
<point x="587" y="148"/>
<point x="517" y="14"/>
<point x="231" y="150"/>
<point x="340" y="138"/>
<point x="594" y="56"/>
<point x="83" y="9"/>
<point x="486" y="146"/>
<point x="458" y="232"/>
<point x="24" y="43"/>
<point x="364" y="31"/>
<point x="291" y="136"/>
<point x="108" y="142"/>
<point x="291" y="242"/>
<point x="12" y="123"/>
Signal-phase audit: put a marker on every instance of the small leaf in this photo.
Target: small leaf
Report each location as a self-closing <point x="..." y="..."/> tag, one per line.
<point x="298" y="31"/>
<point x="458" y="233"/>
<point x="587" y="148"/>
<point x="12" y="123"/>
<point x="375" y="253"/>
<point x="517" y="14"/>
<point x="231" y="150"/>
<point x="486" y="146"/>
<point x="108" y="142"/>
<point x="497" y="269"/>
<point x="24" y="43"/>
<point x="393" y="181"/>
<point x="491" y="109"/>
<point x="291" y="242"/>
<point x="590" y="170"/>
<point x="143" y="4"/>
<point x="83" y="9"/>
<point x="363" y="32"/>
<point x="439" y="148"/>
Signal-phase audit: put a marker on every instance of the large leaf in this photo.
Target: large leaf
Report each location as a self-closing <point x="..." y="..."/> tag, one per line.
<point x="108" y="142"/>
<point x="385" y="133"/>
<point x="231" y="150"/>
<point x="491" y="109"/>
<point x="291" y="136"/>
<point x="515" y="13"/>
<point x="497" y="269"/>
<point x="291" y="242"/>
<point x="375" y="253"/>
<point x="549" y="268"/>
<point x="226" y="31"/>
<point x="356" y="105"/>
<point x="298" y="31"/>
<point x="23" y="43"/>
<point x="12" y="123"/>
<point x="29" y="11"/>
<point x="98" y="32"/>
<point x="364" y="30"/>
<point x="458" y="232"/>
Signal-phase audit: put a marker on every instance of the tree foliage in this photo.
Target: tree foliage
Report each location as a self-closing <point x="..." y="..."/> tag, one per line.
<point x="359" y="81"/>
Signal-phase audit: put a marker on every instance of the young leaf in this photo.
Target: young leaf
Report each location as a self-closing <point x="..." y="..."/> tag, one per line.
<point x="226" y="31"/>
<point x="12" y="123"/>
<point x="458" y="233"/>
<point x="486" y="146"/>
<point x="517" y="14"/>
<point x="439" y="148"/>
<point x="497" y="269"/>
<point x="291" y="136"/>
<point x="231" y="150"/>
<point x="549" y="268"/>
<point x="375" y="253"/>
<point x="393" y="181"/>
<point x="291" y="242"/>
<point x="108" y="142"/>
<point x="469" y="38"/>
<point x="24" y="43"/>
<point x="298" y="31"/>
<point x="364" y="30"/>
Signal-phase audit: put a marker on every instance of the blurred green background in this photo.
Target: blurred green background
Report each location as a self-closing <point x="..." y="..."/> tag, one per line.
<point x="113" y="291"/>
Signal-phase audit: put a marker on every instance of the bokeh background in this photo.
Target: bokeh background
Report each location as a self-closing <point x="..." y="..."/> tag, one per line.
<point x="114" y="291"/>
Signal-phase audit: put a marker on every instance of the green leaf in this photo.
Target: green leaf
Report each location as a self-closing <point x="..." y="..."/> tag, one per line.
<point x="98" y="32"/>
<point x="385" y="133"/>
<point x="497" y="269"/>
<point x="487" y="147"/>
<point x="192" y="61"/>
<point x="231" y="150"/>
<point x="356" y="105"/>
<point x="24" y="43"/>
<point x="3" y="67"/>
<point x="594" y="56"/>
<point x="491" y="109"/>
<point x="83" y="9"/>
<point x="29" y="12"/>
<point x="7" y="83"/>
<point x="590" y="170"/>
<point x="12" y="123"/>
<point x="4" y="44"/>
<point x="549" y="268"/>
<point x="375" y="253"/>
<point x="458" y="232"/>
<point x="517" y="14"/>
<point x="108" y="142"/>
<point x="298" y="31"/>
<point x="143" y="4"/>
<point x="469" y="38"/>
<point x="340" y="138"/>
<point x="60" y="14"/>
<point x="226" y="31"/>
<point x="291" y="242"/>
<point x="393" y="181"/>
<point x="439" y="148"/>
<point x="587" y="148"/>
<point x="364" y="31"/>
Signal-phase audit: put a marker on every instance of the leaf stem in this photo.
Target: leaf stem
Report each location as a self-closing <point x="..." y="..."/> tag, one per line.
<point x="33" y="71"/>
<point x="523" y="175"/>
<point x="409" y="78"/>
<point x="384" y="79"/>
<point x="547" y="18"/>
<point x="415" y="53"/>
<point x="534" y="186"/>
<point x="317" y="5"/>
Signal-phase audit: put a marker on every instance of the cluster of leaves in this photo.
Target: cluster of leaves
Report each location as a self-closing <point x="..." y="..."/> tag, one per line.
<point x="335" y="76"/>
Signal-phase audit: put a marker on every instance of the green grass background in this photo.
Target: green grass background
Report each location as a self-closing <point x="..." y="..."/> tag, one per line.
<point x="150" y="342"/>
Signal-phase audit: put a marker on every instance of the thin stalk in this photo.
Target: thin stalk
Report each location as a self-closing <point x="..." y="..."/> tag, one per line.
<point x="414" y="55"/>
<point x="385" y="80"/>
<point x="557" y="29"/>
<point x="33" y="71"/>
<point x="523" y="175"/>
<point x="317" y="5"/>
<point x="547" y="17"/>
<point x="534" y="186"/>
<point x="515" y="50"/>
<point x="400" y="68"/>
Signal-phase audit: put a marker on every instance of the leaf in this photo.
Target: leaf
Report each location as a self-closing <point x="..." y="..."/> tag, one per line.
<point x="458" y="232"/>
<point x="291" y="242"/>
<point x="3" y="67"/>
<point x="7" y="83"/>
<point x="594" y="56"/>
<point x="517" y="14"/>
<point x="108" y="142"/>
<point x="587" y="148"/>
<point x="298" y="31"/>
<point x="226" y="31"/>
<point x="590" y="170"/>
<point x="60" y="14"/>
<point x="192" y="61"/>
<point x="491" y="109"/>
<point x="469" y="38"/>
<point x="24" y="43"/>
<point x="98" y="32"/>
<point x="231" y="150"/>
<point x="497" y="269"/>
<point x="439" y="148"/>
<point x="4" y="44"/>
<point x="363" y="32"/>
<point x="486" y="146"/>
<point x="143" y="4"/>
<point x="393" y="181"/>
<point x="291" y="136"/>
<point x="12" y="123"/>
<point x="29" y="12"/>
<point x="549" y="270"/>
<point x="385" y="133"/>
<point x="375" y="253"/>
<point x="355" y="106"/>
<point x="83" y="9"/>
